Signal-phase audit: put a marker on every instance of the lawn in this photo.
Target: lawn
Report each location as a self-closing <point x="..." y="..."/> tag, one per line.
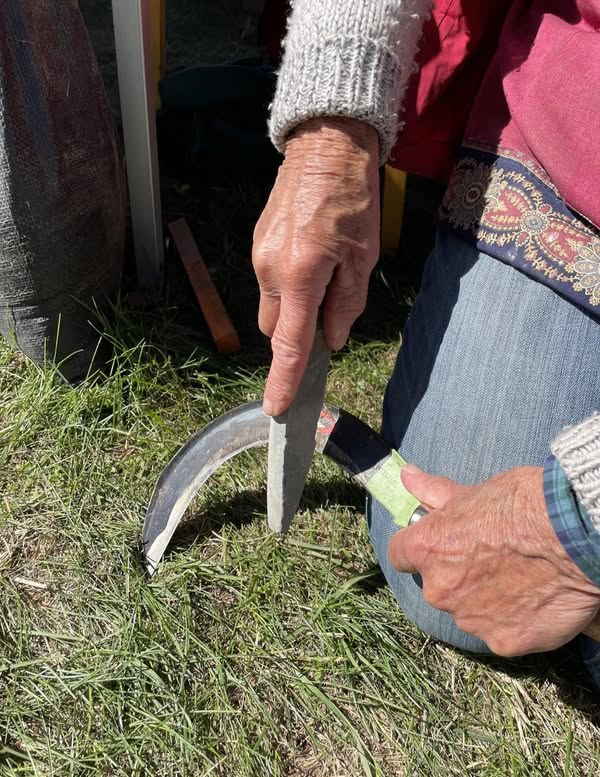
<point x="244" y="655"/>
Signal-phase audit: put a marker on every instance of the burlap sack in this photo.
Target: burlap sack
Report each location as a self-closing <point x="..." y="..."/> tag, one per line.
<point x="62" y="200"/>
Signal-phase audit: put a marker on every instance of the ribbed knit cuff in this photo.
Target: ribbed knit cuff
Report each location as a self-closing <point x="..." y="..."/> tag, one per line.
<point x="347" y="59"/>
<point x="577" y="448"/>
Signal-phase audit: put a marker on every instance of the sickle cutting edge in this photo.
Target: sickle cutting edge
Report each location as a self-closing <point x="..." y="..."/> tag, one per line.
<point x="340" y="436"/>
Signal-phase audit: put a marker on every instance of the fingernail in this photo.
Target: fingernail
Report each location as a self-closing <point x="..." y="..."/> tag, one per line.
<point x="411" y="469"/>
<point x="268" y="407"/>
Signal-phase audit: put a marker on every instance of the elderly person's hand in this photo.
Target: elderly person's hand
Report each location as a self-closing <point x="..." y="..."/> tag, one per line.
<point x="316" y="244"/>
<point x="489" y="556"/>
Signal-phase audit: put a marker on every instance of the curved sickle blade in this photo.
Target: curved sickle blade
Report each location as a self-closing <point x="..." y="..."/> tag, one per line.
<point x="360" y="451"/>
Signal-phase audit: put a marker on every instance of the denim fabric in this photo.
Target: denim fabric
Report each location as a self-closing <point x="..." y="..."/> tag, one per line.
<point x="492" y="366"/>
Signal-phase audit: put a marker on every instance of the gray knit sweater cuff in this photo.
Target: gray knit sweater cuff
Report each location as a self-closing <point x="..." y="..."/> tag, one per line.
<point x="577" y="449"/>
<point x="347" y="58"/>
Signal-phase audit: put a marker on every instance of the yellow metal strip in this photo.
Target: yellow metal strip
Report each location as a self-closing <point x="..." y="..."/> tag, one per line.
<point x="394" y="193"/>
<point x="159" y="45"/>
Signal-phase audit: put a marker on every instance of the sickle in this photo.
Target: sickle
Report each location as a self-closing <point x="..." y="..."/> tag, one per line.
<point x="340" y="436"/>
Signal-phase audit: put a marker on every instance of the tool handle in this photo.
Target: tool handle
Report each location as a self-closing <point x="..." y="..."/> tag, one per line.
<point x="372" y="462"/>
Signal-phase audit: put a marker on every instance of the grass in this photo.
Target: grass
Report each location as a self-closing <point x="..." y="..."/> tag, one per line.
<point x="244" y="655"/>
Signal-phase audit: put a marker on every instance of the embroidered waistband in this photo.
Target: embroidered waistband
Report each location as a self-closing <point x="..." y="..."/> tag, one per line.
<point x="513" y="215"/>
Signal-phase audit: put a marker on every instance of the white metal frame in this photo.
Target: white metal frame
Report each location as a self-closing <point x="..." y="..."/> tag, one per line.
<point x="132" y="21"/>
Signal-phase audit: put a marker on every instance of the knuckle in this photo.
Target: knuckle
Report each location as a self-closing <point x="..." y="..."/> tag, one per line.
<point x="257" y="234"/>
<point x="349" y="308"/>
<point x="292" y="275"/>
<point x="265" y="325"/>
<point x="303" y="275"/>
<point x="261" y="258"/>
<point x="285" y="351"/>
<point x="417" y="545"/>
<point x="264" y="254"/>
<point x="506" y="645"/>
<point x="435" y="594"/>
<point x="269" y="297"/>
<point x="344" y="301"/>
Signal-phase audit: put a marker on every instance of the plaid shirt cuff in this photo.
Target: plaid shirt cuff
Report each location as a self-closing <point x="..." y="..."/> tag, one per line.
<point x="571" y="521"/>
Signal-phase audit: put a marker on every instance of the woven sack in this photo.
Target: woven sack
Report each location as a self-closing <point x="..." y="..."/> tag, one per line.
<point x="62" y="200"/>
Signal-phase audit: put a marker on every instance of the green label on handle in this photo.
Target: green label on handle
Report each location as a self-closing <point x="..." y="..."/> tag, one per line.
<point x="387" y="487"/>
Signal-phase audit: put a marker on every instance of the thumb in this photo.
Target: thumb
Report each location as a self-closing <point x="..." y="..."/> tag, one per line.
<point x="431" y="491"/>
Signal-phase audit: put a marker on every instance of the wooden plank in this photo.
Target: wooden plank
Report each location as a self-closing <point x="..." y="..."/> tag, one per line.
<point x="222" y="330"/>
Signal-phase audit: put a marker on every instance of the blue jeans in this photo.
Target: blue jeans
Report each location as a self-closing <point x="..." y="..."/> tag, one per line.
<point x="492" y="366"/>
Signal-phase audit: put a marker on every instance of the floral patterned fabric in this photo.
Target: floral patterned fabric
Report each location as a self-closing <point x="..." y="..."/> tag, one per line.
<point x="511" y="210"/>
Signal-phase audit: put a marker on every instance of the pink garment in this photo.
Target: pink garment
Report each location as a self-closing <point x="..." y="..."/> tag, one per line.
<point x="541" y="96"/>
<point x="535" y="96"/>
<point x="455" y="50"/>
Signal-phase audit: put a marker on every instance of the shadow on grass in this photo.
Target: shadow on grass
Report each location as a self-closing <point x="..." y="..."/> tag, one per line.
<point x="11" y="756"/>
<point x="563" y="668"/>
<point x="250" y="506"/>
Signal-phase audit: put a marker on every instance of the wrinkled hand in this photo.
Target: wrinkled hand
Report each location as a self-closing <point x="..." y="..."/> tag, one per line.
<point x="488" y="555"/>
<point x="316" y="242"/>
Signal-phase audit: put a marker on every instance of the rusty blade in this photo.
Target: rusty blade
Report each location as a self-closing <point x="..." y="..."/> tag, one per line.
<point x="292" y="440"/>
